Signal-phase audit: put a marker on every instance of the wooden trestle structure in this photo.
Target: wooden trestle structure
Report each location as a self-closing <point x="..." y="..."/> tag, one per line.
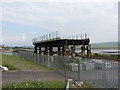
<point x="65" y="47"/>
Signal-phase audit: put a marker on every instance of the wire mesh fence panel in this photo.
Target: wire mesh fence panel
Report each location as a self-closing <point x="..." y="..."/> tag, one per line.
<point x="45" y="60"/>
<point x="52" y="62"/>
<point x="35" y="58"/>
<point x="91" y="72"/>
<point x="71" y="74"/>
<point x="99" y="73"/>
<point x="28" y="56"/>
<point x="36" y="61"/>
<point x="42" y="59"/>
<point x="31" y="54"/>
<point x="71" y="68"/>
<point x="111" y="74"/>
<point x="23" y="55"/>
<point x="59" y="64"/>
<point x="15" y="54"/>
<point x="39" y="59"/>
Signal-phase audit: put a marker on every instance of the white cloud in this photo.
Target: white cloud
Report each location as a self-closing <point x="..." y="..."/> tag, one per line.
<point x="55" y="14"/>
<point x="24" y="36"/>
<point x="59" y="0"/>
<point x="32" y="33"/>
<point x="23" y="39"/>
<point x="69" y="17"/>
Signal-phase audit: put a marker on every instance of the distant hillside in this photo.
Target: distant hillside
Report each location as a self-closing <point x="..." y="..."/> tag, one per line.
<point x="29" y="46"/>
<point x="105" y="45"/>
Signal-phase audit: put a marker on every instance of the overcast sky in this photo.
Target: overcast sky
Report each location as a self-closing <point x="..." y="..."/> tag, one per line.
<point x="21" y="21"/>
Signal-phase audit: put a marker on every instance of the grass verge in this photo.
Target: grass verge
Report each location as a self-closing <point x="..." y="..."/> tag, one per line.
<point x="38" y="84"/>
<point x="105" y="56"/>
<point x="15" y="62"/>
<point x="10" y="67"/>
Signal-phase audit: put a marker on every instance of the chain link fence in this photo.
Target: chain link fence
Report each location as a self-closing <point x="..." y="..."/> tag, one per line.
<point x="99" y="73"/>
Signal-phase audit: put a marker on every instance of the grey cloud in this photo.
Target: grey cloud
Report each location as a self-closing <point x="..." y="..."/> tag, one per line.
<point x="68" y="17"/>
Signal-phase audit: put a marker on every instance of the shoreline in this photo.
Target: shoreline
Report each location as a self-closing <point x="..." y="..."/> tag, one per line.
<point x="105" y="48"/>
<point x="106" y="56"/>
<point x="114" y="57"/>
<point x="111" y="59"/>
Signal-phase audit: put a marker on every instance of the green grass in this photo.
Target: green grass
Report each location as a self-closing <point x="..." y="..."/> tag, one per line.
<point x="0" y="58"/>
<point x="10" y="67"/>
<point x="15" y="62"/>
<point x="38" y="84"/>
<point x="105" y="56"/>
<point x="0" y="61"/>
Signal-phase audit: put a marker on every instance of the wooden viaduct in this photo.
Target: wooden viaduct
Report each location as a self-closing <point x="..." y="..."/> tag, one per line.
<point x="52" y="44"/>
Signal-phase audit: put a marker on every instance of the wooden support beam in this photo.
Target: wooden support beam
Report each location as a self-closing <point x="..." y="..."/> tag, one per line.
<point x="59" y="50"/>
<point x="40" y="50"/>
<point x="66" y="50"/>
<point x="89" y="52"/>
<point x="83" y="51"/>
<point x="73" y="51"/>
<point x="50" y="50"/>
<point x="46" y="51"/>
<point x="35" y="49"/>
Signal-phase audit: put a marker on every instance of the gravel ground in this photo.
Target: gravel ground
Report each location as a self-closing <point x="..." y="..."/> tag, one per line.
<point x="18" y="76"/>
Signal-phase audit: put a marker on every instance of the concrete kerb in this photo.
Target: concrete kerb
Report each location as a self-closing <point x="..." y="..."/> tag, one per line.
<point x="68" y="84"/>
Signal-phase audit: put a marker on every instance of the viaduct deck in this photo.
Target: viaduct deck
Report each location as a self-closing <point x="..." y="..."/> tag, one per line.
<point x="62" y="42"/>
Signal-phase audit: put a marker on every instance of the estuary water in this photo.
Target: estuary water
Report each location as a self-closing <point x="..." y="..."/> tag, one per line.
<point x="106" y="51"/>
<point x="111" y="51"/>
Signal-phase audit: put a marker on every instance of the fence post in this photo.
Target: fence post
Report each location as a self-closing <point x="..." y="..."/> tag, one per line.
<point x="48" y="61"/>
<point x="38" y="58"/>
<point x="64" y="58"/>
<point x="104" y="73"/>
<point x="79" y="70"/>
<point x="57" y="60"/>
<point x="118" y="75"/>
<point x="55" y="63"/>
<point x="44" y="60"/>
<point x="33" y="57"/>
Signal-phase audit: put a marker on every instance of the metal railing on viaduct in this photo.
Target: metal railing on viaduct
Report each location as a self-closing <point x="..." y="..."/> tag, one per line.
<point x="99" y="73"/>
